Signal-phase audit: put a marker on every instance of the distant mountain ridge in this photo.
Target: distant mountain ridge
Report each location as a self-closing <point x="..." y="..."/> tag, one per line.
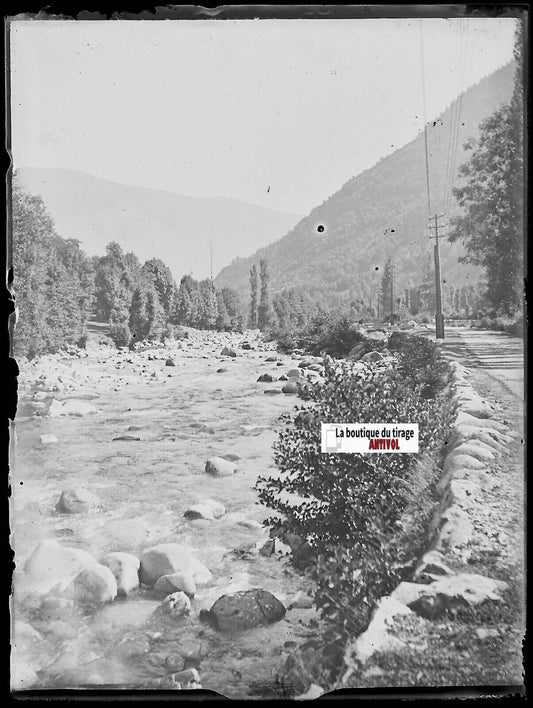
<point x="154" y="223"/>
<point x="381" y="213"/>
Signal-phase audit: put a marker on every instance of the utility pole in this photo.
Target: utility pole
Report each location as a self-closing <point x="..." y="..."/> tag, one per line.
<point x="439" y="317"/>
<point x="392" y="292"/>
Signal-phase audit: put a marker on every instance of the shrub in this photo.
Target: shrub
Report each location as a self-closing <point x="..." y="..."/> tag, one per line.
<point x="419" y="362"/>
<point x="516" y="328"/>
<point x="361" y="514"/>
<point x="120" y="334"/>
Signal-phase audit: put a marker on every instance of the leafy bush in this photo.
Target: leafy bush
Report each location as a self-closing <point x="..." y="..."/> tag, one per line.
<point x="362" y="515"/>
<point x="516" y="328"/>
<point x="419" y="361"/>
<point x="120" y="334"/>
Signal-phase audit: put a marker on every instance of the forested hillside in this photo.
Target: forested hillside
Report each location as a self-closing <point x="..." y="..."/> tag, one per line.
<point x="338" y="252"/>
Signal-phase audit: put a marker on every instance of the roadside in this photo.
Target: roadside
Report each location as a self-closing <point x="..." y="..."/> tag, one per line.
<point x="453" y="641"/>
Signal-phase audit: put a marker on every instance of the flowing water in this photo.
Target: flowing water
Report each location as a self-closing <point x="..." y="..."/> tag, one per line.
<point x="183" y="415"/>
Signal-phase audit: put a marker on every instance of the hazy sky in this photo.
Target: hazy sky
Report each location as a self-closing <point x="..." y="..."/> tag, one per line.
<point x="275" y="112"/>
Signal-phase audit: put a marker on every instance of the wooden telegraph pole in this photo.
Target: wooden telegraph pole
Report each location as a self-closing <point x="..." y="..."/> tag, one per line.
<point x="439" y="317"/>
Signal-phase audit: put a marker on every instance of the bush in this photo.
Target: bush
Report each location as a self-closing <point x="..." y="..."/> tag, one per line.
<point x="419" y="362"/>
<point x="516" y="328"/>
<point x="362" y="515"/>
<point x="120" y="334"/>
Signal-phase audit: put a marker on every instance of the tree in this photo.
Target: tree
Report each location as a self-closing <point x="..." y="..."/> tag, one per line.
<point x="207" y="301"/>
<point x="117" y="276"/>
<point x="264" y="311"/>
<point x="234" y="308"/>
<point x="160" y="275"/>
<point x="147" y="316"/>
<point x="254" y="286"/>
<point x="53" y="280"/>
<point x="490" y="224"/>
<point x="386" y="289"/>
<point x="185" y="312"/>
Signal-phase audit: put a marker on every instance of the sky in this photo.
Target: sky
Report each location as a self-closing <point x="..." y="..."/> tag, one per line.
<point x="279" y="113"/>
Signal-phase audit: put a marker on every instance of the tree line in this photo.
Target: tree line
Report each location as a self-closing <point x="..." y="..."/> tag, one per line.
<point x="59" y="289"/>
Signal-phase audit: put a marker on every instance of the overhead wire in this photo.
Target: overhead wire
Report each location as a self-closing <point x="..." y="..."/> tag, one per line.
<point x="463" y="64"/>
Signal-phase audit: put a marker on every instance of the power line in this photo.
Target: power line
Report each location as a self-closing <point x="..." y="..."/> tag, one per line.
<point x="422" y="64"/>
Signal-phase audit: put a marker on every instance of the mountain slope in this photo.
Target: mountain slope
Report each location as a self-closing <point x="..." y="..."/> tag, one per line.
<point x="380" y="213"/>
<point x="154" y="223"/>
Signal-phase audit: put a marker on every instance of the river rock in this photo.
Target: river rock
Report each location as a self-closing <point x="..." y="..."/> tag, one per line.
<point x="168" y="584"/>
<point x="228" y="351"/>
<point x="125" y="568"/>
<point x="219" y="467"/>
<point x="265" y="378"/>
<point x="206" y="509"/>
<point x="48" y="439"/>
<point x="170" y="362"/>
<point x="272" y="391"/>
<point x="245" y="610"/>
<point x="246" y="346"/>
<point x="76" y="501"/>
<point x="169" y="558"/>
<point x="93" y="586"/>
<point x="294" y="373"/>
<point x="271" y="358"/>
<point x="51" y="561"/>
<point x="176" y="605"/>
<point x="290" y="387"/>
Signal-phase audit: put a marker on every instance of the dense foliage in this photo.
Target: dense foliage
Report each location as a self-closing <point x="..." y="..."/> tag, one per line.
<point x="490" y="224"/>
<point x="54" y="280"/>
<point x="59" y="289"/>
<point x="358" y="521"/>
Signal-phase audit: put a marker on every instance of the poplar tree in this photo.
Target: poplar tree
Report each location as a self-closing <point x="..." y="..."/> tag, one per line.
<point x="254" y="286"/>
<point x="264" y="312"/>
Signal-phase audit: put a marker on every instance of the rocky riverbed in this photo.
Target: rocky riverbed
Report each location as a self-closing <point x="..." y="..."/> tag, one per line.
<point x="110" y="458"/>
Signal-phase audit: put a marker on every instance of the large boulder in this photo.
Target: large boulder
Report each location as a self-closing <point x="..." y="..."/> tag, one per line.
<point x="265" y="378"/>
<point x="168" y="584"/>
<point x="95" y="585"/>
<point x="245" y="610"/>
<point x="290" y="387"/>
<point x="219" y="467"/>
<point x="125" y="568"/>
<point x="169" y="558"/>
<point x="76" y="501"/>
<point x="55" y="563"/>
